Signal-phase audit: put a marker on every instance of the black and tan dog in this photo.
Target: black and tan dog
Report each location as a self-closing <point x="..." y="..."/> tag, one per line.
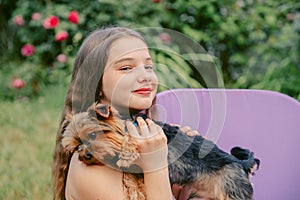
<point x="99" y="137"/>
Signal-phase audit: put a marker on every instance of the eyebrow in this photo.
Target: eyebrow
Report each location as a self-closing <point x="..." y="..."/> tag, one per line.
<point x="130" y="59"/>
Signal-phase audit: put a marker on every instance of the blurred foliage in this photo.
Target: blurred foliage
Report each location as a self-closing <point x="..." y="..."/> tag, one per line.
<point x="254" y="43"/>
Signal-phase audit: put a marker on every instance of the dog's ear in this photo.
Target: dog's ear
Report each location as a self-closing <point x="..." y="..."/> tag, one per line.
<point x="66" y="122"/>
<point x="68" y="117"/>
<point x="68" y="140"/>
<point x="101" y="111"/>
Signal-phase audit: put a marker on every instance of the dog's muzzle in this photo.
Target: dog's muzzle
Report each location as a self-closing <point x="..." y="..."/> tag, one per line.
<point x="83" y="150"/>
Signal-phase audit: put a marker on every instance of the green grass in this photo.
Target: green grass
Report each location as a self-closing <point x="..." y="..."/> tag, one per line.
<point x="28" y="131"/>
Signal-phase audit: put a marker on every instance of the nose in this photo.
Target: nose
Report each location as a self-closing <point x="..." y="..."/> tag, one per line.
<point x="88" y="155"/>
<point x="144" y="75"/>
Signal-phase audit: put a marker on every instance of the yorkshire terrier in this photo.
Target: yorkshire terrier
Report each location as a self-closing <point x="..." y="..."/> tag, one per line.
<point x="100" y="137"/>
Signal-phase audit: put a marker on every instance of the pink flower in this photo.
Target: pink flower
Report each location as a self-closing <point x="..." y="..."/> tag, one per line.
<point x="35" y="16"/>
<point x="165" y="37"/>
<point x="17" y="83"/>
<point x="62" y="58"/>
<point x="27" y="50"/>
<point x="61" y="36"/>
<point x="50" y="22"/>
<point x="291" y="17"/>
<point x="73" y="17"/>
<point x="19" y="20"/>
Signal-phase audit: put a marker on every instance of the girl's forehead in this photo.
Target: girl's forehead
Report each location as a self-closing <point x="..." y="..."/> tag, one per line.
<point x="125" y="46"/>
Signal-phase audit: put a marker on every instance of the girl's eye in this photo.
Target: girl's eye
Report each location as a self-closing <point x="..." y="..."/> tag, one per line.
<point x="150" y="67"/>
<point x="92" y="136"/>
<point x="125" y="68"/>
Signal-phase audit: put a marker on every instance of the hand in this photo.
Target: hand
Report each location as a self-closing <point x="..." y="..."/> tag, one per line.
<point x="187" y="130"/>
<point x="152" y="144"/>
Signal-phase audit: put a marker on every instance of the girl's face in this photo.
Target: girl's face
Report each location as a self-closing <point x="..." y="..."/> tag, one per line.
<point x="129" y="81"/>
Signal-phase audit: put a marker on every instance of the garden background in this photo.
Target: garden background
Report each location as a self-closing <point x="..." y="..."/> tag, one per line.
<point x="254" y="44"/>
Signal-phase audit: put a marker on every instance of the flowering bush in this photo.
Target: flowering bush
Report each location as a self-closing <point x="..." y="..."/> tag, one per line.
<point x="48" y="35"/>
<point x="49" y="39"/>
<point x="49" y="29"/>
<point x="252" y="41"/>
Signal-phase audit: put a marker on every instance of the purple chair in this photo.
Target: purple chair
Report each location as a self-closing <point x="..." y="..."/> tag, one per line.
<point x="264" y="121"/>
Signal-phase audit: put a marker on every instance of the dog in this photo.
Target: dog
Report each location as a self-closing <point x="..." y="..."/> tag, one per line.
<point x="100" y="137"/>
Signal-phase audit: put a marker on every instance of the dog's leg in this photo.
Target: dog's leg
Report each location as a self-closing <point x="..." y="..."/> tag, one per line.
<point x="129" y="152"/>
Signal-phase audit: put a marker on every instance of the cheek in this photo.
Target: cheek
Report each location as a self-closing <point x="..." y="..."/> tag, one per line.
<point x="115" y="86"/>
<point x="154" y="78"/>
<point x="109" y="84"/>
<point x="155" y="81"/>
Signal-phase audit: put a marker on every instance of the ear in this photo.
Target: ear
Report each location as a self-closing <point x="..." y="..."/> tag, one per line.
<point x="240" y="153"/>
<point x="101" y="111"/>
<point x="68" y="117"/>
<point x="66" y="122"/>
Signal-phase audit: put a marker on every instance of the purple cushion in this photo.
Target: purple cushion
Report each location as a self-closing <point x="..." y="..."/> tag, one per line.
<point x="266" y="122"/>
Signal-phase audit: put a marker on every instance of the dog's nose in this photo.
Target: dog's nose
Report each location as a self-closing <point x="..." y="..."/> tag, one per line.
<point x="88" y="155"/>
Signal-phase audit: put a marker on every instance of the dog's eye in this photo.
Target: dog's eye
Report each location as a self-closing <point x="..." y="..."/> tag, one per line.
<point x="194" y="196"/>
<point x="92" y="136"/>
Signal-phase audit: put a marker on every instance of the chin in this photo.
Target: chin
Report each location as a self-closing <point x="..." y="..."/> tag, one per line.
<point x="141" y="105"/>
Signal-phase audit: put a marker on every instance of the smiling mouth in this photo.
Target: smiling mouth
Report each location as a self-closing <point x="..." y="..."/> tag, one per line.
<point x="144" y="91"/>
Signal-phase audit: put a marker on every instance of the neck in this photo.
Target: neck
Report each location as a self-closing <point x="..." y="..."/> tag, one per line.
<point x="131" y="114"/>
<point x="125" y="113"/>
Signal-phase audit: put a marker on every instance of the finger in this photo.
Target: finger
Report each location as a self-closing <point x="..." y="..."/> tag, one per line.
<point x="160" y="130"/>
<point x="192" y="133"/>
<point x="131" y="129"/>
<point x="144" y="129"/>
<point x="186" y="128"/>
<point x="152" y="127"/>
<point x="175" y="125"/>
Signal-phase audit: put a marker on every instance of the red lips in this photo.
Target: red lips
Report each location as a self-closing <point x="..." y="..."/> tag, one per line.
<point x="143" y="91"/>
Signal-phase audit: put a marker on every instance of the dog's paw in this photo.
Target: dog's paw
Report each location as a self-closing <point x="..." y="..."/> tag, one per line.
<point x="129" y="152"/>
<point x="126" y="159"/>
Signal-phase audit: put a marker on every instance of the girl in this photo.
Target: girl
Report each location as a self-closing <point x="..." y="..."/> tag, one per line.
<point x="113" y="66"/>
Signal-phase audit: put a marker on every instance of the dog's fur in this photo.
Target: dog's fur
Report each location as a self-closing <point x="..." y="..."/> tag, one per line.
<point x="100" y="137"/>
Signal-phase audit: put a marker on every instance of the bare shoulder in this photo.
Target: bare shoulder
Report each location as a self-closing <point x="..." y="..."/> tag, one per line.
<point x="92" y="182"/>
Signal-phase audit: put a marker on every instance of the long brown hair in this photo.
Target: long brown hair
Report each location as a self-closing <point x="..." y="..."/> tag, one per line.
<point x="84" y="89"/>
